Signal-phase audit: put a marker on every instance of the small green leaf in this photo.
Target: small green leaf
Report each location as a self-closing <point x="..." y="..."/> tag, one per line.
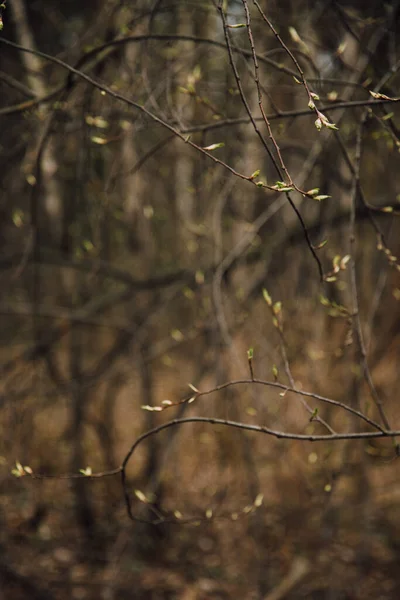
<point x="140" y="496"/>
<point x="214" y="146"/>
<point x="336" y="260"/>
<point x="18" y="217"/>
<point x="31" y="179"/>
<point x="87" y="472"/>
<point x="294" y="35"/>
<point x="250" y="353"/>
<point x="267" y="297"/>
<point x="177" y="335"/>
<point x="277" y="307"/>
<point x="98" y="122"/>
<point x="18" y="471"/>
<point x="281" y="186"/>
<point x="196" y="73"/>
<point x="99" y="140"/>
<point x="318" y="124"/>
<point x="344" y="261"/>
<point x="324" y="301"/>
<point x="382" y="96"/>
<point x="259" y="500"/>
<point x="324" y="121"/>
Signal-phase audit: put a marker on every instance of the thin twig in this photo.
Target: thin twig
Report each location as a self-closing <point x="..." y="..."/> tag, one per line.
<point x="277" y="167"/>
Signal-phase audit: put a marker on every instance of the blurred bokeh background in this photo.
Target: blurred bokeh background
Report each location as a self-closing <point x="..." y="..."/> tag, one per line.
<point x="133" y="265"/>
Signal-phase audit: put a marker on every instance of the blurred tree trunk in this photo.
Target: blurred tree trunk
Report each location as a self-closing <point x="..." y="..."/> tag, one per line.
<point x="48" y="165"/>
<point x="82" y="502"/>
<point x="183" y="165"/>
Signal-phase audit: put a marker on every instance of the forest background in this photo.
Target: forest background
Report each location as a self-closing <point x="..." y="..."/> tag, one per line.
<point x="199" y="322"/>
